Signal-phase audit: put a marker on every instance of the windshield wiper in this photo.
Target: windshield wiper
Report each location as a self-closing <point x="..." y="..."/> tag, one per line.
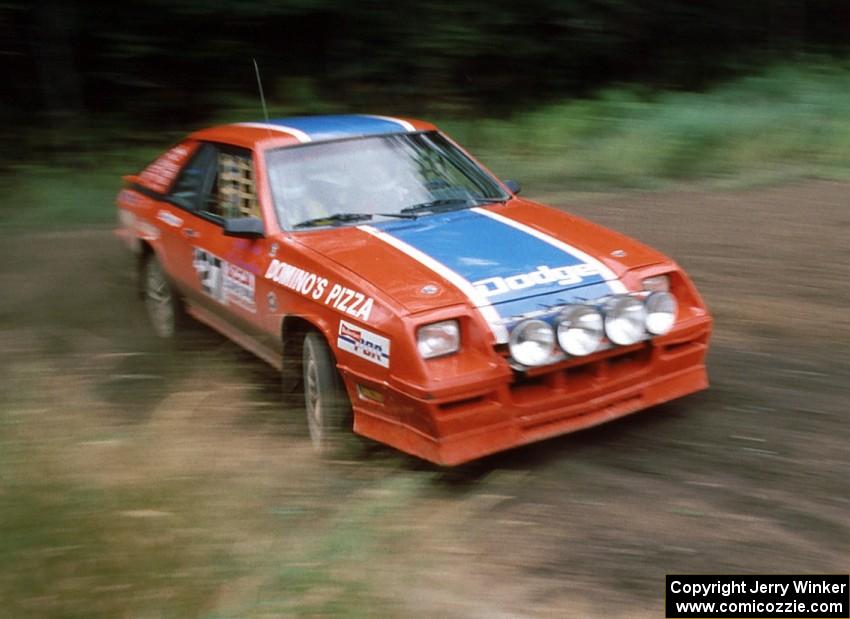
<point x="347" y="217"/>
<point x="444" y="204"/>
<point x="483" y="200"/>
<point x="451" y="204"/>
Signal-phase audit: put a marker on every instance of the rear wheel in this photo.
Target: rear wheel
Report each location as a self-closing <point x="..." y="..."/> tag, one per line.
<point x="329" y="416"/>
<point x="161" y="301"/>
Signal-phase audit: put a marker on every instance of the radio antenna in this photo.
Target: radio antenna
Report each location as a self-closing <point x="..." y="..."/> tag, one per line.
<point x="262" y="95"/>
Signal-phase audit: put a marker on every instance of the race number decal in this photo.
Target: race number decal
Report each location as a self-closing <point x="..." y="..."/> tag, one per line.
<point x="208" y="268"/>
<point x="223" y="281"/>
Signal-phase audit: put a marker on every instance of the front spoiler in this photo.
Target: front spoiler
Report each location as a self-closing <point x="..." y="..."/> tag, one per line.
<point x="571" y="399"/>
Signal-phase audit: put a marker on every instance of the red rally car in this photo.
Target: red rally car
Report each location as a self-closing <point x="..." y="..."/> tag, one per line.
<point x="408" y="292"/>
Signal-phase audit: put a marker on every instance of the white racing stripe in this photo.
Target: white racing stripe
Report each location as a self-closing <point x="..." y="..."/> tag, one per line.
<point x="296" y="133"/>
<point x="607" y="274"/>
<point x="491" y="316"/>
<point x="407" y="126"/>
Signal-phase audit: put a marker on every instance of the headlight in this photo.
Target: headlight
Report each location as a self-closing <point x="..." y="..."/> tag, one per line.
<point x="625" y="319"/>
<point x="438" y="339"/>
<point x="660" y="312"/>
<point x="657" y="283"/>
<point x="580" y="330"/>
<point x="532" y="342"/>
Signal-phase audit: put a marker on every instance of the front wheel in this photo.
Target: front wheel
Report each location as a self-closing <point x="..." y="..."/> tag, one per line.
<point x="161" y="300"/>
<point x="329" y="416"/>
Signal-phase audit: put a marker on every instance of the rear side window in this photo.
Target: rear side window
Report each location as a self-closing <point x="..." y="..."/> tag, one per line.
<point x="218" y="182"/>
<point x="234" y="195"/>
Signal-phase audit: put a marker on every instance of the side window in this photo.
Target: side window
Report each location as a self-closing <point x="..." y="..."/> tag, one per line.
<point x="233" y="194"/>
<point x="190" y="186"/>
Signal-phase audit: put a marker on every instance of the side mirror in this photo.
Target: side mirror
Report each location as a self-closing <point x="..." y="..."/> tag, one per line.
<point x="514" y="186"/>
<point x="244" y="227"/>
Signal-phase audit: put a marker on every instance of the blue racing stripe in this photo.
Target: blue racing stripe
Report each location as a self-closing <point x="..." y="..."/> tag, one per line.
<point x="520" y="307"/>
<point x="320" y="128"/>
<point x="515" y="271"/>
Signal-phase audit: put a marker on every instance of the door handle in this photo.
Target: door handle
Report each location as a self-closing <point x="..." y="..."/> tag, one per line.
<point x="190" y="232"/>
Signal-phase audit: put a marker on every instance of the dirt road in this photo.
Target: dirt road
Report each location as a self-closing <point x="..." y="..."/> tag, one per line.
<point x="148" y="481"/>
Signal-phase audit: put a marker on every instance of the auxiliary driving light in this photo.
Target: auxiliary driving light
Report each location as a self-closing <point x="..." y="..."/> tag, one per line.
<point x="660" y="312"/>
<point x="532" y="342"/>
<point x="625" y="320"/>
<point x="580" y="330"/>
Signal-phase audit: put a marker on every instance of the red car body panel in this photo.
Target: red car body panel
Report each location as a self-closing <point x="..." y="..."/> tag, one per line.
<point x="449" y="409"/>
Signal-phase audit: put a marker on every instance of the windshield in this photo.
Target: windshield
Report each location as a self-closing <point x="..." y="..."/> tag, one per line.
<point x="350" y="181"/>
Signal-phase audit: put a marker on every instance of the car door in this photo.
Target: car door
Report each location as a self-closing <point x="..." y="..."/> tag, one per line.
<point x="175" y="210"/>
<point x="225" y="270"/>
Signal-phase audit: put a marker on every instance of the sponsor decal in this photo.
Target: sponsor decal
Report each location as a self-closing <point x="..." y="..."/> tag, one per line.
<point x="169" y="218"/>
<point x="239" y="287"/>
<point x="564" y="276"/>
<point x="223" y="281"/>
<point x="273" y="250"/>
<point x="363" y="343"/>
<point x="271" y="299"/>
<point x="161" y="172"/>
<point x="147" y="230"/>
<point x="128" y="197"/>
<point x="337" y="296"/>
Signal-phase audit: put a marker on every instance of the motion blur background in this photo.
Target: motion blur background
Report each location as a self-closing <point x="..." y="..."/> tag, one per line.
<point x="142" y="481"/>
<point x="597" y="93"/>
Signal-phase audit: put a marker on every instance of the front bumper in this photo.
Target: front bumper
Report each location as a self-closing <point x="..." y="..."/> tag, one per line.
<point x="563" y="398"/>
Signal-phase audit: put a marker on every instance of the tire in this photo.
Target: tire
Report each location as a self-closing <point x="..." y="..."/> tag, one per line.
<point x="163" y="304"/>
<point x="329" y="417"/>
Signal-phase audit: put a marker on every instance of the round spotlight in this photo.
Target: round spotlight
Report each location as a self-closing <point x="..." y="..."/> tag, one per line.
<point x="625" y="320"/>
<point x="580" y="330"/>
<point x="532" y="342"/>
<point x="660" y="312"/>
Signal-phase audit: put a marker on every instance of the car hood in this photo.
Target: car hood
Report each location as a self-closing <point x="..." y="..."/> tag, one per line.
<point x="515" y="257"/>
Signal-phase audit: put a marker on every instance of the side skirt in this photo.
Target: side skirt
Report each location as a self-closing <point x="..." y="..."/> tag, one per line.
<point x="270" y="356"/>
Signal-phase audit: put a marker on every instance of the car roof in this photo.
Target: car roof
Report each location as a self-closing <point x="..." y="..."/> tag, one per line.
<point x="306" y="129"/>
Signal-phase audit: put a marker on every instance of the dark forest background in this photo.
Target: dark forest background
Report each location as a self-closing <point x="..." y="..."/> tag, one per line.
<point x="580" y="94"/>
<point x="170" y="62"/>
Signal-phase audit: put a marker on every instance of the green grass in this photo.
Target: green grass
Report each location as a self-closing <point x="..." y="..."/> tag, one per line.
<point x="784" y="124"/>
<point x="81" y="541"/>
<point x="81" y="192"/>
<point x="787" y="123"/>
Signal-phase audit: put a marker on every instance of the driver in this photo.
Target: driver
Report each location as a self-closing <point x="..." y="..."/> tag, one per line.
<point x="300" y="202"/>
<point x="387" y="188"/>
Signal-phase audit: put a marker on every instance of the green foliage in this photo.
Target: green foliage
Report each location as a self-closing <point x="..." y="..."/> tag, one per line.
<point x="71" y="549"/>
<point x="128" y="539"/>
<point x="155" y="63"/>
<point x="786" y="123"/>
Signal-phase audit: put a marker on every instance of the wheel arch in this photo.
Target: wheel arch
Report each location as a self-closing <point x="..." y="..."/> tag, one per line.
<point x="146" y="250"/>
<point x="293" y="329"/>
<point x="150" y="248"/>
